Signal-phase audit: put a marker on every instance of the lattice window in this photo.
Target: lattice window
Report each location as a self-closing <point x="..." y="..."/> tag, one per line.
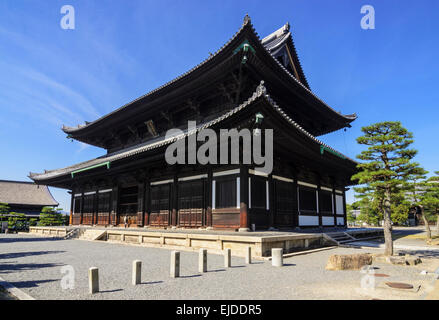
<point x="160" y="198"/>
<point x="325" y="201"/>
<point x="190" y="194"/>
<point x="284" y="196"/>
<point x="77" y="206"/>
<point x="307" y="199"/>
<point x="225" y="192"/>
<point x="258" y="192"/>
<point x="88" y="209"/>
<point x="128" y="201"/>
<point x="89" y="204"/>
<point x="104" y="203"/>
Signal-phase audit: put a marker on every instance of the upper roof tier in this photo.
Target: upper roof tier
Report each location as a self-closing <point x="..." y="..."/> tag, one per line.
<point x="274" y="59"/>
<point x="280" y="44"/>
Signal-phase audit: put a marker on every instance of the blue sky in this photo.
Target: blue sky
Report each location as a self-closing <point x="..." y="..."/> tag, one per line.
<point x="121" y="49"/>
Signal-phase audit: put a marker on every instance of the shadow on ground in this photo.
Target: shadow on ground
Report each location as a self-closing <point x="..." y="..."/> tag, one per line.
<point x="398" y="234"/>
<point x="14" y="255"/>
<point x="30" y="239"/>
<point x="8" y="268"/>
<point x="421" y="253"/>
<point x="30" y="284"/>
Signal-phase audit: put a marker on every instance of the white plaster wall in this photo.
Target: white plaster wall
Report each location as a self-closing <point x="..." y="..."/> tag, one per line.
<point x="308" y="221"/>
<point x="328" y="221"/>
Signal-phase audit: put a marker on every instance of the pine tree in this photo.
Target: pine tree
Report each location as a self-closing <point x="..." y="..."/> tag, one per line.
<point x="369" y="203"/>
<point x="17" y="221"/>
<point x="417" y="187"/>
<point x="4" y="211"/>
<point x="387" y="163"/>
<point x="51" y="217"/>
<point x="431" y="196"/>
<point x="400" y="208"/>
<point x="350" y="216"/>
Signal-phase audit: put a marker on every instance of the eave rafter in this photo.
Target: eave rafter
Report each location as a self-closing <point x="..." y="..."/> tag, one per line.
<point x="194" y="105"/>
<point x="168" y="116"/>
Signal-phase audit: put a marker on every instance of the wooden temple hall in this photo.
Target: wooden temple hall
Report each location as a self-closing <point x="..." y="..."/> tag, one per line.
<point x="249" y="83"/>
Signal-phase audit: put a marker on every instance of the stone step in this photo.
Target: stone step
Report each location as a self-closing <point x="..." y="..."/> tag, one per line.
<point x="342" y="238"/>
<point x="91" y="234"/>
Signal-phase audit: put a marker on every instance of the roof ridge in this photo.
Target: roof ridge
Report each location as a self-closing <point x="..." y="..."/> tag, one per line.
<point x="16" y="181"/>
<point x="276" y="34"/>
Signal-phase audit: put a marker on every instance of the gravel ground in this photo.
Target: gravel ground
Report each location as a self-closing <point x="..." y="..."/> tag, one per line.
<point x="34" y="264"/>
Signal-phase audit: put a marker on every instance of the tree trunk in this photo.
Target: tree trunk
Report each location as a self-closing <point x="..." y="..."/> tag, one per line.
<point x="427" y="226"/>
<point x="437" y="222"/>
<point x="388" y="249"/>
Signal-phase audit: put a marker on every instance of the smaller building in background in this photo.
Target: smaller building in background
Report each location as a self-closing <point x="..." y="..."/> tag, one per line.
<point x="26" y="197"/>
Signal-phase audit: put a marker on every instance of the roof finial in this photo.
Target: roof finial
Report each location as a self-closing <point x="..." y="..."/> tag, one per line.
<point x="246" y="19"/>
<point x="260" y="90"/>
<point x="287" y="27"/>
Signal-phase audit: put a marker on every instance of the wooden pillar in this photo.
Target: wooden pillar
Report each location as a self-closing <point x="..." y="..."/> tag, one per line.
<point x="334" y="207"/>
<point x="271" y="202"/>
<point x="319" y="205"/>
<point x="147" y="202"/>
<point x="209" y="197"/>
<point x="243" y="196"/>
<point x="296" y="201"/>
<point x="174" y="201"/>
<point x="114" y="206"/>
<point x="344" y="208"/>
<point x="82" y="207"/>
<point x="140" y="203"/>
<point x="109" y="208"/>
<point x="72" y="203"/>
<point x="95" y="208"/>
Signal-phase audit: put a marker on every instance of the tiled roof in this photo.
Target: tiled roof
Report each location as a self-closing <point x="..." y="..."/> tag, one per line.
<point x="268" y="43"/>
<point x="281" y="37"/>
<point x="260" y="92"/>
<point x="25" y="193"/>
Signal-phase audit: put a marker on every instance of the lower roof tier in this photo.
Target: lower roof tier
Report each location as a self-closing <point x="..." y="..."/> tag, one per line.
<point x="291" y="143"/>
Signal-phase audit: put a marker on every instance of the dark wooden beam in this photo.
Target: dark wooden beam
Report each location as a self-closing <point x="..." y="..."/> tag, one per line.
<point x="140" y="203"/>
<point x="271" y="202"/>
<point x="243" y="210"/>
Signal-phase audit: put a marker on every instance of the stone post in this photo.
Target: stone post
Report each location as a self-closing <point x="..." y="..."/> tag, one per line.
<point x="277" y="257"/>
<point x="93" y="280"/>
<point x="137" y="272"/>
<point x="248" y="255"/>
<point x="227" y="258"/>
<point x="175" y="264"/>
<point x="306" y="243"/>
<point x="202" y="260"/>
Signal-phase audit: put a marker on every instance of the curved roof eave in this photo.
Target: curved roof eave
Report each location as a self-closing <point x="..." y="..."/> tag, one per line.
<point x="261" y="92"/>
<point x="246" y="25"/>
<point x="348" y="118"/>
<point x="283" y="36"/>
